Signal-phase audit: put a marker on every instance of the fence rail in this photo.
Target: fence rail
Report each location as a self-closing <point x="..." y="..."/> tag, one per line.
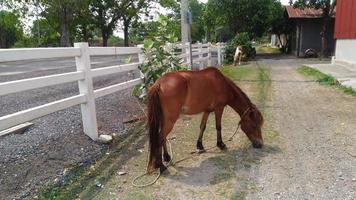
<point x="191" y="54"/>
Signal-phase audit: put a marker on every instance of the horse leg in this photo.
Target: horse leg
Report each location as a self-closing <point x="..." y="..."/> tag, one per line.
<point x="166" y="129"/>
<point x="240" y="57"/>
<point x="166" y="156"/>
<point x="204" y="119"/>
<point x="218" y="115"/>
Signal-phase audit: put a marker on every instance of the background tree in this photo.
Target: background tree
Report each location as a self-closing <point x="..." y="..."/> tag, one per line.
<point x="60" y="14"/>
<point x="48" y="36"/>
<point x="280" y="25"/>
<point x="84" y="27"/>
<point x="197" y="10"/>
<point x="134" y="9"/>
<point x="106" y="14"/>
<point x="140" y="30"/>
<point x="328" y="9"/>
<point x="248" y="16"/>
<point x="10" y="29"/>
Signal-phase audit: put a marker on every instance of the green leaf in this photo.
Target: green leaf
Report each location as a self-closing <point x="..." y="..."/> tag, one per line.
<point x="147" y="44"/>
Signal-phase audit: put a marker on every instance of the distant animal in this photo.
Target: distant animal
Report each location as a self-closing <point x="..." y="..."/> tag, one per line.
<point x="238" y="55"/>
<point x="193" y="92"/>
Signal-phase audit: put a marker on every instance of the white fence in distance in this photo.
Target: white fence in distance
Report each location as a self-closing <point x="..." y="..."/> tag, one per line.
<point x="191" y="54"/>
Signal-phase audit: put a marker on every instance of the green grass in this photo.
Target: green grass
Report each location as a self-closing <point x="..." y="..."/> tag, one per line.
<point x="237" y="73"/>
<point x="267" y="50"/>
<point x="324" y="79"/>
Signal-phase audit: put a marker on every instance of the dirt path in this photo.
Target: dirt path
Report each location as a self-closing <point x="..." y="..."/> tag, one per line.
<point x="317" y="136"/>
<point x="309" y="150"/>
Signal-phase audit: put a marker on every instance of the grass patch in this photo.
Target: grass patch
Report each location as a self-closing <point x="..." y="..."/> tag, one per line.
<point x="237" y="73"/>
<point x="324" y="79"/>
<point x="139" y="196"/>
<point x="267" y="50"/>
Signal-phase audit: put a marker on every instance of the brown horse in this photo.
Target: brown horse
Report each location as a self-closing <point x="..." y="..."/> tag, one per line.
<point x="192" y="92"/>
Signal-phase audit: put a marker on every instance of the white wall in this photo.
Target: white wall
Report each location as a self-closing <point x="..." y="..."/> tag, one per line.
<point x="346" y="50"/>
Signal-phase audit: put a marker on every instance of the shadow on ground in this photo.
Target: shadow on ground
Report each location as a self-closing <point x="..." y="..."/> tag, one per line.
<point x="227" y="165"/>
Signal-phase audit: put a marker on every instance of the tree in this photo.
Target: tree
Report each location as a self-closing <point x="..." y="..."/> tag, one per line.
<point x="105" y="15"/>
<point x="60" y="14"/>
<point x="140" y="30"/>
<point x="328" y="9"/>
<point x="10" y="29"/>
<point x="280" y="24"/>
<point x="197" y="10"/>
<point x="248" y="16"/>
<point x="130" y="14"/>
<point x="84" y="27"/>
<point x="48" y="36"/>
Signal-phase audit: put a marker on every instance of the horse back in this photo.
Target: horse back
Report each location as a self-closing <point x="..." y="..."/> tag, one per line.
<point x="195" y="91"/>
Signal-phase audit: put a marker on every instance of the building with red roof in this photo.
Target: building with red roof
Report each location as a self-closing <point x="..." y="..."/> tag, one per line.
<point x="345" y="32"/>
<point x="307" y="26"/>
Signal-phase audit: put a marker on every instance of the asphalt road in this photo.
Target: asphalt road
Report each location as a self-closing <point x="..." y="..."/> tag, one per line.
<point x="49" y="65"/>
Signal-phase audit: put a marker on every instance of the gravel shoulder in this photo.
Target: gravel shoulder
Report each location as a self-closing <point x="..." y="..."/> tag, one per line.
<point x="43" y="155"/>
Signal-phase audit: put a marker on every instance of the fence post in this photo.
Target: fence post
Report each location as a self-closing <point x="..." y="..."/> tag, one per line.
<point x="219" y="53"/>
<point x="141" y="59"/>
<point x="90" y="125"/>
<point x="200" y="50"/>
<point x="209" y="54"/>
<point x="188" y="52"/>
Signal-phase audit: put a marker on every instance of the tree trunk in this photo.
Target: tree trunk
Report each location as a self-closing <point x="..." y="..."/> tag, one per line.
<point x="126" y="31"/>
<point x="85" y="34"/>
<point x="64" y="27"/>
<point x="208" y="35"/>
<point x="105" y="36"/>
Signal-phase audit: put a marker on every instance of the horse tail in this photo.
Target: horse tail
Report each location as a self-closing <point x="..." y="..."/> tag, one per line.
<point x="155" y="118"/>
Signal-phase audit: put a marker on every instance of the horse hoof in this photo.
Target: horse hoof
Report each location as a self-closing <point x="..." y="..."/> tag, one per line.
<point x="162" y="168"/>
<point x="199" y="151"/>
<point x="221" y="145"/>
<point x="167" y="158"/>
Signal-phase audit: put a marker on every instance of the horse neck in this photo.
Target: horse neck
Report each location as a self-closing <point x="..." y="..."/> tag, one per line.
<point x="239" y="102"/>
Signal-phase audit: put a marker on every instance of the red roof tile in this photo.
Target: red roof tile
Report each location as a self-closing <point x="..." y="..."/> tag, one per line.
<point x="303" y="13"/>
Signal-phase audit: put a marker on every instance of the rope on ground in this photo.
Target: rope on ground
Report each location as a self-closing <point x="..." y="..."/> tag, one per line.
<point x="170" y="163"/>
<point x="159" y="172"/>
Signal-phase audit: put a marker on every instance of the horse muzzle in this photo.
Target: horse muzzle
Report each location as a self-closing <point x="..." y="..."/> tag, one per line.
<point x="257" y="144"/>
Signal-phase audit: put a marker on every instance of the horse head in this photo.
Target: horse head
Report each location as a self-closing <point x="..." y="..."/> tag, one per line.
<point x="251" y="123"/>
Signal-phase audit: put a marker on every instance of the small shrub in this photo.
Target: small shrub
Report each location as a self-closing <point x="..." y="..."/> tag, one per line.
<point x="160" y="58"/>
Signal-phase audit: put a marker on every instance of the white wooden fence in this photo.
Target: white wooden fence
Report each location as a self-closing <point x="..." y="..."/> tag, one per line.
<point x="191" y="54"/>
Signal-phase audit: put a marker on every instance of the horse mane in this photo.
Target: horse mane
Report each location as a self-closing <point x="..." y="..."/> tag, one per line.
<point x="238" y="91"/>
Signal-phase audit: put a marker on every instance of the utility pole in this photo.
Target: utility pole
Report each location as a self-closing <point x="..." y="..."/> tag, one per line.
<point x="38" y="25"/>
<point x="185" y="21"/>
